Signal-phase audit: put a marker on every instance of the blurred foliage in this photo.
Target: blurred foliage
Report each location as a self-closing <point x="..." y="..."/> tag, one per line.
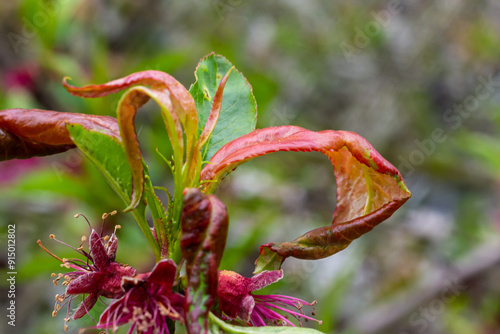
<point x="407" y="73"/>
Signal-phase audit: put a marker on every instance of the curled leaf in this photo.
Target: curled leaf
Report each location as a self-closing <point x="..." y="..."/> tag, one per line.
<point x="369" y="188"/>
<point x="204" y="225"/>
<point x="182" y="102"/>
<point x="15" y="147"/>
<point x="127" y="109"/>
<point x="25" y="133"/>
<point x="178" y="111"/>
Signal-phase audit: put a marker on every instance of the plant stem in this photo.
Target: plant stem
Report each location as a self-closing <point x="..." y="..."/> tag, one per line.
<point x="159" y="217"/>
<point x="144" y="226"/>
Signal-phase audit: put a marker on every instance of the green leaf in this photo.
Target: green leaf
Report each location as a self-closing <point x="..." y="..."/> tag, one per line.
<point x="228" y="328"/>
<point x="108" y="155"/>
<point x="238" y="114"/>
<point x="267" y="260"/>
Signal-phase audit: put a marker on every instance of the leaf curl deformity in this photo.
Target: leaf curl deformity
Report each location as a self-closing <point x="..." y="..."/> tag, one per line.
<point x="369" y="188"/>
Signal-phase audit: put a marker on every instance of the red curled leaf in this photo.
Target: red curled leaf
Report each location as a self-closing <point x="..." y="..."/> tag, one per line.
<point x="182" y="102"/>
<point x="204" y="225"/>
<point x="127" y="109"/>
<point x="25" y="133"/>
<point x="178" y="107"/>
<point x="369" y="188"/>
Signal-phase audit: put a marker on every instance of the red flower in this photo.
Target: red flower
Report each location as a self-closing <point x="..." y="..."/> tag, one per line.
<point x="147" y="302"/>
<point x="98" y="275"/>
<point x="237" y="300"/>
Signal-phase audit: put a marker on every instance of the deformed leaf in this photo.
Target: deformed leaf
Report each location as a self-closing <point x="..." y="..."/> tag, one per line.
<point x="178" y="108"/>
<point x="204" y="225"/>
<point x="369" y="188"/>
<point x="15" y="147"/>
<point x="238" y="114"/>
<point x="127" y="110"/>
<point x="183" y="103"/>
<point x="25" y="133"/>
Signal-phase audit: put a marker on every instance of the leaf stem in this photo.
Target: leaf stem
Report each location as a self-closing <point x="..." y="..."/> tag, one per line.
<point x="178" y="183"/>
<point x="166" y="161"/>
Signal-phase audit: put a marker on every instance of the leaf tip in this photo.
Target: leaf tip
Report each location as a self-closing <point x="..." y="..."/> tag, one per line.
<point x="136" y="196"/>
<point x="268" y="259"/>
<point x="131" y="207"/>
<point x="65" y="81"/>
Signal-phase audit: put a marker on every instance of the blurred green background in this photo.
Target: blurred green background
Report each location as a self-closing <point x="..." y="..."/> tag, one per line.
<point x="418" y="80"/>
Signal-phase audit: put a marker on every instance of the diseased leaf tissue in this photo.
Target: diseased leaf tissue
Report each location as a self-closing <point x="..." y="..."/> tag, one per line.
<point x="214" y="120"/>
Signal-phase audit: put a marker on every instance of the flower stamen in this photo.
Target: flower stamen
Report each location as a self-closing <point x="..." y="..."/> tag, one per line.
<point x="39" y="242"/>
